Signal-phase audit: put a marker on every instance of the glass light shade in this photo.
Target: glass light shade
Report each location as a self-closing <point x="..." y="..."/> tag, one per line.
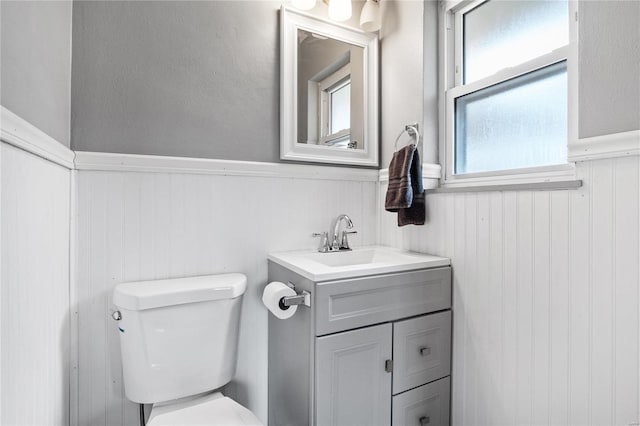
<point x="339" y="10"/>
<point x="303" y="4"/>
<point x="370" y="16"/>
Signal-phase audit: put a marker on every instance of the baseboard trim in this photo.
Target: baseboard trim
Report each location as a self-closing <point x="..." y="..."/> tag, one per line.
<point x="103" y="161"/>
<point x="18" y="132"/>
<point x="605" y="146"/>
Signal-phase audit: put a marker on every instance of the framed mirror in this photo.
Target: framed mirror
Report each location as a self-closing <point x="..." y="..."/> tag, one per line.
<point x="329" y="92"/>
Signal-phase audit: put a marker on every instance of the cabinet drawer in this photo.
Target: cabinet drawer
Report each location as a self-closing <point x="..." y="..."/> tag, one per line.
<point x="347" y="304"/>
<point x="421" y="350"/>
<point x="427" y="405"/>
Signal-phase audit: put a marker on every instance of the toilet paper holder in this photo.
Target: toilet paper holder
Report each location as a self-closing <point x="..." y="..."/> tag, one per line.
<point x="302" y="298"/>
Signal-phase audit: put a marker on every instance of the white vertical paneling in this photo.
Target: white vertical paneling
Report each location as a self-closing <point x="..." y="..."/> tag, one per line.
<point x="559" y="313"/>
<point x="525" y="303"/>
<point x="626" y="219"/>
<point x="458" y="369"/>
<point x="482" y="308"/>
<point x="546" y="298"/>
<point x="602" y="285"/>
<point x="580" y="225"/>
<point x="493" y="298"/>
<point x="34" y="369"/>
<point x="509" y="307"/>
<point x="150" y="225"/>
<point x="468" y="242"/>
<point x="541" y="308"/>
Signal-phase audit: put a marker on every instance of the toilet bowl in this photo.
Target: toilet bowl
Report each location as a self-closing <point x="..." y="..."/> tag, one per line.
<point x="179" y="344"/>
<point x="209" y="409"/>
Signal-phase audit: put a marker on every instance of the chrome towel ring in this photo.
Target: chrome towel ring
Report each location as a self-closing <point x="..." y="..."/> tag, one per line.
<point x="411" y="130"/>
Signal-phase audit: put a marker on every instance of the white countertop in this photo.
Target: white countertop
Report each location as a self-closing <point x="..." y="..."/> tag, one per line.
<point x="359" y="262"/>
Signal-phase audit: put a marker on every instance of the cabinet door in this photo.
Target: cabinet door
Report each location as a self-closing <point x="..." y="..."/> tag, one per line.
<point x="352" y="384"/>
<point x="427" y="405"/>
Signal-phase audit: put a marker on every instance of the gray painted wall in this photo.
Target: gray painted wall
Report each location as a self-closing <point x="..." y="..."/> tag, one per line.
<point x="401" y="72"/>
<point x="177" y="78"/>
<point x="197" y="79"/>
<point x="35" y="62"/>
<point x="609" y="67"/>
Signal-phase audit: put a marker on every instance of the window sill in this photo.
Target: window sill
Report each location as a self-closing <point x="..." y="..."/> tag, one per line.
<point x="556" y="185"/>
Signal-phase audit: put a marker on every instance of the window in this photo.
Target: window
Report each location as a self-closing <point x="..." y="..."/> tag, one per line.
<point x="335" y="109"/>
<point x="505" y="86"/>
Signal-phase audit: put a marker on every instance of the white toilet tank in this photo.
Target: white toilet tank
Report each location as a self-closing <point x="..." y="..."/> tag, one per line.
<point x="178" y="337"/>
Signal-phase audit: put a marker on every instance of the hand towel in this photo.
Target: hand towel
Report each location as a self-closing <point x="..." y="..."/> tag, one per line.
<point x="405" y="193"/>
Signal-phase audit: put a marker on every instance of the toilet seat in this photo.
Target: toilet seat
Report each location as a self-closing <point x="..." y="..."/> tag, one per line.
<point x="213" y="409"/>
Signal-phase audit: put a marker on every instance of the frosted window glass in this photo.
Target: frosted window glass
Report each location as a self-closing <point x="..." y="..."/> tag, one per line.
<point x="341" y="109"/>
<point x="501" y="34"/>
<point x="516" y="124"/>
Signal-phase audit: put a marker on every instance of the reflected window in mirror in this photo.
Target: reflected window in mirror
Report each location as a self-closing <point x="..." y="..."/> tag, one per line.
<point x="335" y="115"/>
<point x="330" y="92"/>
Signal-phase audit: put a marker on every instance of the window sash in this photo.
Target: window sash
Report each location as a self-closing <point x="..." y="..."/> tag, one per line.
<point x="550" y="58"/>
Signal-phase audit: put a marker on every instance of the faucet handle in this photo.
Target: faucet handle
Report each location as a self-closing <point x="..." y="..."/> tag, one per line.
<point x="323" y="247"/>
<point x="344" y="245"/>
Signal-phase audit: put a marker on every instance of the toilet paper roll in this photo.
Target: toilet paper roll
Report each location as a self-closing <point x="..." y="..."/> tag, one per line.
<point x="273" y="292"/>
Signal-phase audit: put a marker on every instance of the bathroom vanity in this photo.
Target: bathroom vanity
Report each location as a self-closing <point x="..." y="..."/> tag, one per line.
<point x="373" y="347"/>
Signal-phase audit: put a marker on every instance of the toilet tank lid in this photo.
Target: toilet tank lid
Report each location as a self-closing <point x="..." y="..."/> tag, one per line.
<point x="140" y="295"/>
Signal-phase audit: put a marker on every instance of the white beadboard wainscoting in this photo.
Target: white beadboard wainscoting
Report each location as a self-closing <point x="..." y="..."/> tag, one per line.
<point x="135" y="225"/>
<point x="546" y="299"/>
<point x="34" y="297"/>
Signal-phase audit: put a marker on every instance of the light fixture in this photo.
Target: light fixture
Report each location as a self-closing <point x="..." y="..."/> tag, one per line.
<point x="339" y="10"/>
<point x="303" y="4"/>
<point x="370" y="16"/>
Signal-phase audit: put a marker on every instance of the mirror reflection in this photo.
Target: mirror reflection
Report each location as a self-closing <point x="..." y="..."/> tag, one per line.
<point x="330" y="92"/>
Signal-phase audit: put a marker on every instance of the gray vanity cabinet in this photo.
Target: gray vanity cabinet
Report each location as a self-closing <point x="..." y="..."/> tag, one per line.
<point x="369" y="351"/>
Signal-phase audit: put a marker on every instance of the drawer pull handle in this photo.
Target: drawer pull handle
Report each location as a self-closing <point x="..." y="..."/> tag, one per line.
<point x="388" y="366"/>
<point x="425" y="350"/>
<point x="424" y="420"/>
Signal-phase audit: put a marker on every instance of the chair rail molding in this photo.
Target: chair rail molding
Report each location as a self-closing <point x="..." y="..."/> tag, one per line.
<point x="102" y="161"/>
<point x="430" y="175"/>
<point x="18" y="132"/>
<point x="605" y="146"/>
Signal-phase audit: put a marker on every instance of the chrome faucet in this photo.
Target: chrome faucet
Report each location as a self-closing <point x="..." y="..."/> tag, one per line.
<point x="337" y="241"/>
<point x="337" y="238"/>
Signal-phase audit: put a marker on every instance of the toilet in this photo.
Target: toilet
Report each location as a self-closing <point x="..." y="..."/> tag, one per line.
<point x="179" y="341"/>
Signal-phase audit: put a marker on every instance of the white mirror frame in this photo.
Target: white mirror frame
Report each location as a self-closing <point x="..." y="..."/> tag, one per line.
<point x="291" y="21"/>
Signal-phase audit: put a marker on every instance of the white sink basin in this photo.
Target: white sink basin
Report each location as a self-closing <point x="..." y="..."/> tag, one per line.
<point x="356" y="263"/>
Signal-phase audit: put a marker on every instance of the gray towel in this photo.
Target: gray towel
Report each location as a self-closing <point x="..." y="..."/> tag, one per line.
<point x="405" y="193"/>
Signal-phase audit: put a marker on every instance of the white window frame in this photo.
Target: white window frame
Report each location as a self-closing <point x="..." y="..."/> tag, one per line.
<point x="326" y="87"/>
<point x="451" y="87"/>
